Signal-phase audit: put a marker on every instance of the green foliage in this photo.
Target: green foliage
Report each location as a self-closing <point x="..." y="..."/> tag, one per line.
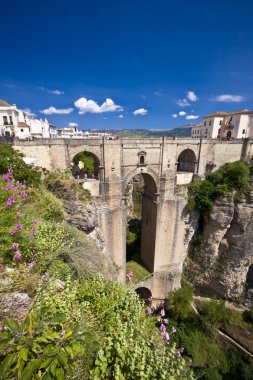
<point x="10" y="158"/>
<point x="49" y="206"/>
<point x="88" y="161"/>
<point x="39" y="349"/>
<point x="230" y="177"/>
<point x="179" y="302"/>
<point x="130" y="348"/>
<point x="216" y="314"/>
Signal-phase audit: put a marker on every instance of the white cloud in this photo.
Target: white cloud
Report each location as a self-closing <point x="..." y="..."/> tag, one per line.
<point x="182" y="102"/>
<point x="158" y="93"/>
<point x="140" y="111"/>
<point x="56" y="92"/>
<point x="28" y="112"/>
<point x="181" y="113"/>
<point x="53" y="110"/>
<point x="191" y="117"/>
<point x="174" y="115"/>
<point x="121" y="116"/>
<point x="73" y="125"/>
<point x="91" y="106"/>
<point x="227" y="98"/>
<point x="192" y="96"/>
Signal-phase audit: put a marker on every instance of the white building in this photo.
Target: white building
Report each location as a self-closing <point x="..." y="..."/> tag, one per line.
<point x="225" y="125"/>
<point x="15" y="122"/>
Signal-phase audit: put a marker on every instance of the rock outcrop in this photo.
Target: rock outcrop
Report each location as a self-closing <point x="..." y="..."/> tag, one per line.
<point x="221" y="261"/>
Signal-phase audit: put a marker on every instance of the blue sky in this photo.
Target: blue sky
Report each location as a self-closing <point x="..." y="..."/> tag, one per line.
<point x="63" y="59"/>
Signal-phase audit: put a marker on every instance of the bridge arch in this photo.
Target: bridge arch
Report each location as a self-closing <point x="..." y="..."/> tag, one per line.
<point x="144" y="293"/>
<point x="186" y="161"/>
<point x="92" y="167"/>
<point x="148" y="217"/>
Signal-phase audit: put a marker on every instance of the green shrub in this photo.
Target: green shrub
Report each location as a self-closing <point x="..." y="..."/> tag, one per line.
<point x="88" y="161"/>
<point x="216" y="314"/>
<point x="230" y="177"/>
<point x="179" y="302"/>
<point x="10" y="158"/>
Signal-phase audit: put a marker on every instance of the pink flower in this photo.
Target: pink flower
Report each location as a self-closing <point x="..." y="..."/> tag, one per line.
<point x="12" y="231"/>
<point x="159" y="319"/>
<point x="162" y="328"/>
<point x="173" y="330"/>
<point x="23" y="194"/>
<point x="165" y="321"/>
<point x="129" y="276"/>
<point x="19" y="214"/>
<point x="179" y="352"/>
<point x="149" y="311"/>
<point x="19" y="226"/>
<point x="162" y="302"/>
<point x="165" y="335"/>
<point x="15" y="246"/>
<point x="162" y="313"/>
<point x="17" y="256"/>
<point x="4" y="177"/>
<point x="35" y="221"/>
<point x="154" y="306"/>
<point x="10" y="201"/>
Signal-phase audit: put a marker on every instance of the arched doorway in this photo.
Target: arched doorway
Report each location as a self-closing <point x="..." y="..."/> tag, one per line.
<point x="144" y="294"/>
<point x="141" y="224"/>
<point x="186" y="161"/>
<point x="229" y="134"/>
<point x="85" y="165"/>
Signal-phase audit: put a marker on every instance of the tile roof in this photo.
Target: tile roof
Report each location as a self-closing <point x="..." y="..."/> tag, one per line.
<point x="243" y="112"/>
<point x="22" y="125"/>
<point x="3" y="103"/>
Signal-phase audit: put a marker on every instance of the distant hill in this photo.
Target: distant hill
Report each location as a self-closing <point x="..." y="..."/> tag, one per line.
<point x="135" y="133"/>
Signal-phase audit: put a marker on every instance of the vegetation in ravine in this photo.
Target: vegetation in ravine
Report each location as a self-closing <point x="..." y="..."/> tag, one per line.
<point x="212" y="357"/>
<point x="79" y="325"/>
<point x="229" y="179"/>
<point x="88" y="162"/>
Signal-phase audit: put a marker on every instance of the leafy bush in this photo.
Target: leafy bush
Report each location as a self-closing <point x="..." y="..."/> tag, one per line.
<point x="10" y="158"/>
<point x="230" y="177"/>
<point x="179" y="302"/>
<point x="216" y="314"/>
<point x="88" y="161"/>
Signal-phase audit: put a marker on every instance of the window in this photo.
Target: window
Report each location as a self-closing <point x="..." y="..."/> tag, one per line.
<point x="21" y="130"/>
<point x="220" y="122"/>
<point x="142" y="160"/>
<point x="243" y="131"/>
<point x="204" y="123"/>
<point x="206" y="131"/>
<point x="219" y="131"/>
<point x="11" y="122"/>
<point x="5" y="120"/>
<point x="210" y="122"/>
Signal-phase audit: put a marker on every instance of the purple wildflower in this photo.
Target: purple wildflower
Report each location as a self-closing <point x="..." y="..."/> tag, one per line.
<point x="159" y="319"/>
<point x="162" y="312"/>
<point x="173" y="330"/>
<point x="149" y="311"/>
<point x="23" y="194"/>
<point x="179" y="352"/>
<point x="162" y="327"/>
<point x="19" y="226"/>
<point x="165" y="335"/>
<point x="4" y="177"/>
<point x="154" y="306"/>
<point x="10" y="201"/>
<point x="129" y="276"/>
<point x="35" y="221"/>
<point x="17" y="256"/>
<point x="15" y="246"/>
<point x="12" y="231"/>
<point x="161" y="302"/>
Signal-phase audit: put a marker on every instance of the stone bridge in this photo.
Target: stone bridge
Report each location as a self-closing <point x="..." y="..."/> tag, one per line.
<point x="163" y="163"/>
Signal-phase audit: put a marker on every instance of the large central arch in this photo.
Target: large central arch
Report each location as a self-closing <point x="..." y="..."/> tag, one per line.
<point x="186" y="161"/>
<point x="149" y="219"/>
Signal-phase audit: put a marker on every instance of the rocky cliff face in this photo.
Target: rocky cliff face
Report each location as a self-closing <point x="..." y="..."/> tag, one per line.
<point x="220" y="258"/>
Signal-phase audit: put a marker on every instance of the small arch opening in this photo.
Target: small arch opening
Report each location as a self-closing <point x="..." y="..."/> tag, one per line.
<point x="186" y="161"/>
<point x="142" y="160"/>
<point x="229" y="135"/>
<point x="85" y="165"/>
<point x="144" y="294"/>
